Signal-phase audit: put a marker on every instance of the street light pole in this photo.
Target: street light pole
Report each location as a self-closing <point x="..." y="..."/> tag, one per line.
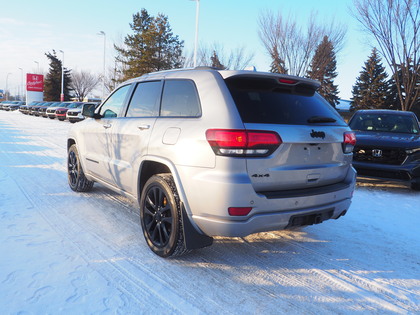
<point x="7" y="93"/>
<point x="197" y="13"/>
<point x="102" y="33"/>
<point x="38" y="66"/>
<point x="62" y="78"/>
<point x="21" y="83"/>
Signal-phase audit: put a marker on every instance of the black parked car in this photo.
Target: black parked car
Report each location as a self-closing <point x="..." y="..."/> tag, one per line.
<point x="388" y="145"/>
<point x="42" y="109"/>
<point x="24" y="109"/>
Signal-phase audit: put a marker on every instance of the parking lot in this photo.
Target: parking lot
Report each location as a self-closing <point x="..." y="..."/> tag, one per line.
<point x="85" y="253"/>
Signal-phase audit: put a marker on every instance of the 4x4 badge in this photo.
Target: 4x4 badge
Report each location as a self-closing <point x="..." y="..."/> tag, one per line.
<point x="317" y="134"/>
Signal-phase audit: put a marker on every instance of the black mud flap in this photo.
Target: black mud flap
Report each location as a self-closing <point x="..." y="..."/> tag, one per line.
<point x="310" y="218"/>
<point x="192" y="238"/>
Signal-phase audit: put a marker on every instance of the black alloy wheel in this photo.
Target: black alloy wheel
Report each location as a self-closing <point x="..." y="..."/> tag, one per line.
<point x="76" y="178"/>
<point x="161" y="217"/>
<point x="158" y="218"/>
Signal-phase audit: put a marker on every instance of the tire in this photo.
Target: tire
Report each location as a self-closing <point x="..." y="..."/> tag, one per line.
<point x="160" y="216"/>
<point x="76" y="178"/>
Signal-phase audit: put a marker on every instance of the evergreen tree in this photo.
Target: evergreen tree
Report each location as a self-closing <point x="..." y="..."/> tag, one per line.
<point x="52" y="83"/>
<point x="215" y="62"/>
<point x="277" y="65"/>
<point x="322" y="68"/>
<point x="151" y="47"/>
<point x="371" y="88"/>
<point x="393" y="98"/>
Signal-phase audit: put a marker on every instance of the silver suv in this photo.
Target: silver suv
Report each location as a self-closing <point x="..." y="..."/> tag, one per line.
<point x="216" y="153"/>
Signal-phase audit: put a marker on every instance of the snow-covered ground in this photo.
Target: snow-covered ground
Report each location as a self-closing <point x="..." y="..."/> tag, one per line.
<point x="68" y="253"/>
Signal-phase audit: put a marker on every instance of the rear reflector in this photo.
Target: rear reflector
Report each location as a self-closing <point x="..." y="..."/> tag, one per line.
<point x="239" y="211"/>
<point x="243" y="143"/>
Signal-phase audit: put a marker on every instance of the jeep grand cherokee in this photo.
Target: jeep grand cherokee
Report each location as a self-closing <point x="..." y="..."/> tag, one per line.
<point x="208" y="152"/>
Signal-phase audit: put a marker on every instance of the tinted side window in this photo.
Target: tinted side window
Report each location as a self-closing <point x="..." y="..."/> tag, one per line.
<point x="113" y="105"/>
<point x="144" y="102"/>
<point x="267" y="102"/>
<point x="180" y="99"/>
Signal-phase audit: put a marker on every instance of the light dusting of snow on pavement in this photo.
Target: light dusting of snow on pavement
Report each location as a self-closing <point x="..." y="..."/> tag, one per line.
<point x="69" y="253"/>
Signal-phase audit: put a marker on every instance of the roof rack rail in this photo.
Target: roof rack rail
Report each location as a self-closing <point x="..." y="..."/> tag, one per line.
<point x="207" y="68"/>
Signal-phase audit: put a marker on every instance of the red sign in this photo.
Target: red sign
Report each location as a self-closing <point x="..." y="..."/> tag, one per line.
<point x="34" y="82"/>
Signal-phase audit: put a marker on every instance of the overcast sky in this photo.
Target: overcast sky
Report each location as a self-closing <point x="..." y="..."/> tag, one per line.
<point x="29" y="29"/>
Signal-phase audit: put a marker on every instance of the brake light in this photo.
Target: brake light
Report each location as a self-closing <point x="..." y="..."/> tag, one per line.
<point x="349" y="141"/>
<point x="243" y="143"/>
<point x="239" y="211"/>
<point x="287" y="81"/>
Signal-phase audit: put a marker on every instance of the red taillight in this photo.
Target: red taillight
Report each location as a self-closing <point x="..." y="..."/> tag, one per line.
<point x="349" y="141"/>
<point x="239" y="211"/>
<point x="249" y="143"/>
<point x="287" y="81"/>
<point x="226" y="138"/>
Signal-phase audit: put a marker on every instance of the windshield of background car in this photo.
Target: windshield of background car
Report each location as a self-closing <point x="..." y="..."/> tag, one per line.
<point x="264" y="100"/>
<point x="75" y="105"/>
<point x="380" y="122"/>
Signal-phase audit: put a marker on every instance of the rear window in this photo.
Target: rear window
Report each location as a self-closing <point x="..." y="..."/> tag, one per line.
<point x="265" y="101"/>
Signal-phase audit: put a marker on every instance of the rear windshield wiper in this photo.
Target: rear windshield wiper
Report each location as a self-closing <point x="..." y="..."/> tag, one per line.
<point x="320" y="119"/>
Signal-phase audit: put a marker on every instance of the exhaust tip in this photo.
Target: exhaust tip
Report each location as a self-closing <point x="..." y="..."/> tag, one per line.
<point x="342" y="214"/>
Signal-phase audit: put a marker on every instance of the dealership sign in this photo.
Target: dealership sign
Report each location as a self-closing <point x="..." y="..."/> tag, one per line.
<point x="34" y="82"/>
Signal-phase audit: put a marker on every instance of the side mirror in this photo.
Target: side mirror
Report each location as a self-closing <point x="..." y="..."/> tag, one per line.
<point x="88" y="110"/>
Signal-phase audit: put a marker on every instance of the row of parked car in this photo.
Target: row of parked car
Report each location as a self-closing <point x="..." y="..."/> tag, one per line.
<point x="72" y="111"/>
<point x="11" y="105"/>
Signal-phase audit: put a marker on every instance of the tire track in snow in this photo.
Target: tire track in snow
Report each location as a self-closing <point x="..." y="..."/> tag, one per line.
<point x="41" y="202"/>
<point x="124" y="269"/>
<point x="130" y="278"/>
<point x="397" y="295"/>
<point x="323" y="268"/>
<point x="327" y="283"/>
<point x="130" y="282"/>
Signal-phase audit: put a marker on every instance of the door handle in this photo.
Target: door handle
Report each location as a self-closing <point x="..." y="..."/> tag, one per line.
<point x="106" y="126"/>
<point x="143" y="127"/>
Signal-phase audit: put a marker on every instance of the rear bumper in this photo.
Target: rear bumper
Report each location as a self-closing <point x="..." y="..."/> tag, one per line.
<point x="269" y="212"/>
<point x="269" y="221"/>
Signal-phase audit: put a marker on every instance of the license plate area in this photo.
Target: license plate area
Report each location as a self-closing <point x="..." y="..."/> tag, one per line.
<point x="310" y="218"/>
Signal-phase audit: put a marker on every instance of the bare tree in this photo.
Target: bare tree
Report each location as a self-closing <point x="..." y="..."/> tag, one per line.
<point x="83" y="83"/>
<point x="284" y="38"/>
<point x="395" y="25"/>
<point x="236" y="59"/>
<point x="115" y="72"/>
<point x="115" y="75"/>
